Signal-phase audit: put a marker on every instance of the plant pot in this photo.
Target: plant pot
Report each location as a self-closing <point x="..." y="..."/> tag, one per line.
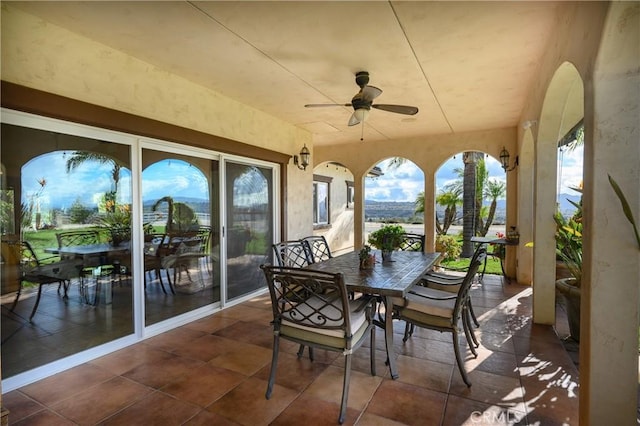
<point x="368" y="262"/>
<point x="571" y="295"/>
<point x="387" y="255"/>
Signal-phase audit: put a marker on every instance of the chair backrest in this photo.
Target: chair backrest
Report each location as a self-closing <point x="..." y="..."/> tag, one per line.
<point x="412" y="242"/>
<point x="318" y="247"/>
<point x="294" y="254"/>
<point x="78" y="238"/>
<point x="465" y="287"/>
<point x="308" y="298"/>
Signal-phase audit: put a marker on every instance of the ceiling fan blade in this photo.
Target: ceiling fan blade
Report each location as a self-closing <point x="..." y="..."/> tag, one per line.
<point x="369" y="93"/>
<point x="399" y="109"/>
<point x="353" y="120"/>
<point x="325" y="105"/>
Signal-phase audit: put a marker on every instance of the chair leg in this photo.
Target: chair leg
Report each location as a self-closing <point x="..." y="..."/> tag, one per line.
<point x="345" y="388"/>
<point x="473" y="314"/>
<point x="15" y="302"/>
<point x="274" y="366"/>
<point x="467" y="334"/>
<point x="35" y="307"/>
<point x="372" y="355"/>
<point x="456" y="347"/>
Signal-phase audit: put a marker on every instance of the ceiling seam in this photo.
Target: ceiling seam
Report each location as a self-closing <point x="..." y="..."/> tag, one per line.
<point x="424" y="74"/>
<point x="259" y="50"/>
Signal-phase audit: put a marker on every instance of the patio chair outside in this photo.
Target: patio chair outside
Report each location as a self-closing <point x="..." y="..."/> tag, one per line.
<point x="318" y="247"/>
<point x="442" y="311"/>
<point x="313" y="309"/>
<point x="293" y="253"/>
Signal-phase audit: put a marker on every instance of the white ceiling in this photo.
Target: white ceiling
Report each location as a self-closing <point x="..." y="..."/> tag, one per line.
<point x="466" y="65"/>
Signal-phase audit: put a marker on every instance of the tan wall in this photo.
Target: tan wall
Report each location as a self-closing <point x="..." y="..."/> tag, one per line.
<point x="43" y="56"/>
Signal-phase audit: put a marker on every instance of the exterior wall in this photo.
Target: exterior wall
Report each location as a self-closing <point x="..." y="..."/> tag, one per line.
<point x="339" y="233"/>
<point x="43" y="56"/>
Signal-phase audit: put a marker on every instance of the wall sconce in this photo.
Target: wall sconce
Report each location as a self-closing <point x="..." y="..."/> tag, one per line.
<point x="504" y="160"/>
<point x="305" y="155"/>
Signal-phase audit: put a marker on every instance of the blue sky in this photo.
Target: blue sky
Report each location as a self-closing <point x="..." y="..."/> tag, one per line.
<point x="404" y="183"/>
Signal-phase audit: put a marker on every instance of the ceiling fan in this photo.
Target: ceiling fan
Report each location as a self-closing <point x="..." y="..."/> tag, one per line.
<point x="362" y="102"/>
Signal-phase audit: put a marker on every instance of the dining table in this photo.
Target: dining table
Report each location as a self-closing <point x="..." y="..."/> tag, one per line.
<point x="497" y="242"/>
<point x="386" y="280"/>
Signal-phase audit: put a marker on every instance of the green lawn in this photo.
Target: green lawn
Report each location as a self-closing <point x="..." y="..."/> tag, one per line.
<point x="493" y="265"/>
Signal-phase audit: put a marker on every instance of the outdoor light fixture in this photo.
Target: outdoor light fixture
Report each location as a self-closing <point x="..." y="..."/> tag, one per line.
<point x="504" y="160"/>
<point x="305" y="155"/>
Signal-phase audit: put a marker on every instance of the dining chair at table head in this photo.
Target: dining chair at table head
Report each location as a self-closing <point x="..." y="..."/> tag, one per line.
<point x="312" y="308"/>
<point x="412" y="242"/>
<point x="294" y="253"/>
<point x="442" y="311"/>
<point x="318" y="247"/>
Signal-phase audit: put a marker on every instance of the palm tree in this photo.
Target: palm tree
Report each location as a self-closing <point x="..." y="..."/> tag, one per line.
<point x="450" y="199"/>
<point x="469" y="205"/>
<point x="493" y="190"/>
<point x="79" y="157"/>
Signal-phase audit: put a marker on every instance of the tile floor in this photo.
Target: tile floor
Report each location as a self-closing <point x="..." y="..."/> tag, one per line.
<point x="214" y="372"/>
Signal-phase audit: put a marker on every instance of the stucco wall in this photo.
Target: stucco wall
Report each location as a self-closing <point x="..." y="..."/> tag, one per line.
<point x="43" y="56"/>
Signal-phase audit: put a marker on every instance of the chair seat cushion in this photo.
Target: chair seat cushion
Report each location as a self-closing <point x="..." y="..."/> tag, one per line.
<point x="428" y="301"/>
<point x="327" y="315"/>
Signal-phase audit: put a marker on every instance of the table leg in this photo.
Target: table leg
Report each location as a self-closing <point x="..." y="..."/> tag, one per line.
<point x="388" y="336"/>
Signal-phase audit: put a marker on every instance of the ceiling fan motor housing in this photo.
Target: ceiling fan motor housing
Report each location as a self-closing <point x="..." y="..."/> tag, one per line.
<point x="362" y="78"/>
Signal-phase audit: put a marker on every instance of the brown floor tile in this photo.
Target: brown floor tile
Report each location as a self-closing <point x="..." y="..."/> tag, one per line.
<point x="203" y="385"/>
<point x="317" y="412"/>
<point x="424" y="373"/>
<point x="207" y="418"/>
<point x="462" y="411"/>
<point x="243" y="358"/>
<point x="126" y="359"/>
<point x="293" y="372"/>
<point x="101" y="401"/>
<point x="210" y="324"/>
<point x="328" y="387"/>
<point x="173" y="339"/>
<point x="206" y="347"/>
<point x="252" y="332"/>
<point x="20" y="405"/>
<point x="247" y="405"/>
<point x="68" y="383"/>
<point x="159" y="373"/>
<point x="369" y="419"/>
<point x="44" y="418"/>
<point x="495" y="362"/>
<point x="408" y="404"/>
<point x="489" y="388"/>
<point x="157" y="409"/>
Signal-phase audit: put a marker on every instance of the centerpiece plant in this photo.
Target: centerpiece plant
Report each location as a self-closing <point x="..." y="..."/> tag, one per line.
<point x="387" y="239"/>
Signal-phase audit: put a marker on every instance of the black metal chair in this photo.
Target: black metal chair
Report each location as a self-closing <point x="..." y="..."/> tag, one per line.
<point x="318" y="247"/>
<point x="412" y="242"/>
<point x="313" y="309"/>
<point x="294" y="253"/>
<point x="31" y="269"/>
<point x="442" y="311"/>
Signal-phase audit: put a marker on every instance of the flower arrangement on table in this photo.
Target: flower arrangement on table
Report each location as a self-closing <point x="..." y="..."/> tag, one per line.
<point x="498" y="249"/>
<point x="367" y="260"/>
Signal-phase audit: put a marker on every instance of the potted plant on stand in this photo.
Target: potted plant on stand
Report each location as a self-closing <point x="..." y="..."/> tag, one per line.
<point x="569" y="252"/>
<point x="387" y="239"/>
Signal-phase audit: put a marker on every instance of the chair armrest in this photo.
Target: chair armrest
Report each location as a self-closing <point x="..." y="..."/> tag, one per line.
<point x="362" y="302"/>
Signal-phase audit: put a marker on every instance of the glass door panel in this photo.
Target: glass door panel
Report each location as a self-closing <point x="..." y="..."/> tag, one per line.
<point x="66" y="257"/>
<point x="180" y="222"/>
<point x="249" y="226"/>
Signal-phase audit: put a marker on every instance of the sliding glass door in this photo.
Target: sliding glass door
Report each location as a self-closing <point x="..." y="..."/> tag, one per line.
<point x="249" y="226"/>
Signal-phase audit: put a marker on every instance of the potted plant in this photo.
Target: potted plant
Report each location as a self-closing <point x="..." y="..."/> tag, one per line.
<point x="387" y="239"/>
<point x="367" y="259"/>
<point x="569" y="252"/>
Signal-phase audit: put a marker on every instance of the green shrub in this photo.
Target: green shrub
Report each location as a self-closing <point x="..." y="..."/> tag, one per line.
<point x="448" y="245"/>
